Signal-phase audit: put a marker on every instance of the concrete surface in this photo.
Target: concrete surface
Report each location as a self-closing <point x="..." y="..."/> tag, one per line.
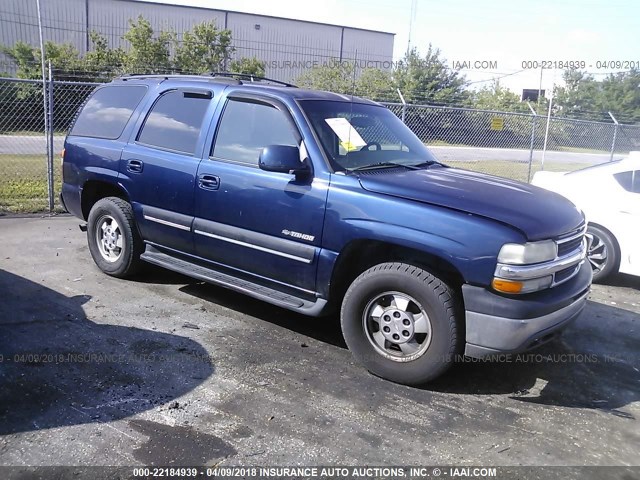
<point x="165" y="370"/>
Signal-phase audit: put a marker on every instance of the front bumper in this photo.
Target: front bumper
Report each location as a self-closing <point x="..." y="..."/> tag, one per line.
<point x="497" y="324"/>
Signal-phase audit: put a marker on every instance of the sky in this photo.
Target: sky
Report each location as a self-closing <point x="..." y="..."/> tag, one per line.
<point x="503" y="32"/>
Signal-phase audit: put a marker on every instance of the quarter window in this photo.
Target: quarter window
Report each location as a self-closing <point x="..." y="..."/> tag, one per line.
<point x="247" y="127"/>
<point x="175" y="121"/>
<point x="630" y="181"/>
<point x="107" y="111"/>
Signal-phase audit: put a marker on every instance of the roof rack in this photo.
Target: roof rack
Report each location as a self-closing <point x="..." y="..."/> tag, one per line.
<point x="220" y="76"/>
<point x="142" y="76"/>
<point x="251" y="78"/>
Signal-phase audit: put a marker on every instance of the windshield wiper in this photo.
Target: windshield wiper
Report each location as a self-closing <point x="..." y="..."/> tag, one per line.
<point x="375" y="166"/>
<point x="428" y="163"/>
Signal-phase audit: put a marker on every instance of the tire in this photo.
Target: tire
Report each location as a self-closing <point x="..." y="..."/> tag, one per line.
<point x="417" y="308"/>
<point x="602" y="253"/>
<point x="114" y="241"/>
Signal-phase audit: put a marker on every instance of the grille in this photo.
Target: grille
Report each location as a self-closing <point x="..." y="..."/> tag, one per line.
<point x="570" y="246"/>
<point x="566" y="274"/>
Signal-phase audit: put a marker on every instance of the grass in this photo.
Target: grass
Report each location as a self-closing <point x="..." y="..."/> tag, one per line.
<point x="23" y="178"/>
<point x="23" y="183"/>
<point x="515" y="170"/>
<point x="581" y="150"/>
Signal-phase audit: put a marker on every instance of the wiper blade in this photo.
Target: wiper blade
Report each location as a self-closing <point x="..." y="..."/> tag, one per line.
<point x="375" y="166"/>
<point x="428" y="163"/>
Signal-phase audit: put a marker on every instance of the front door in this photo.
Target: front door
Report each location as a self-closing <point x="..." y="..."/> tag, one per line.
<point x="264" y="223"/>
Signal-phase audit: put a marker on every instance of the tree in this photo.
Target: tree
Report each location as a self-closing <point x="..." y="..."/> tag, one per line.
<point x="203" y="49"/>
<point x="64" y="58"/>
<point x="335" y="76"/>
<point x="339" y="77"/>
<point x="102" y="61"/>
<point x="377" y="85"/>
<point x="498" y="98"/>
<point x="585" y="97"/>
<point x="248" y="66"/>
<point x="26" y="58"/>
<point x="420" y="79"/>
<point x="147" y="54"/>
<point x="428" y="79"/>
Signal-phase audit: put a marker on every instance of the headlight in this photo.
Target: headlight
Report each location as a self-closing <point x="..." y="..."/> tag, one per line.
<point x="531" y="252"/>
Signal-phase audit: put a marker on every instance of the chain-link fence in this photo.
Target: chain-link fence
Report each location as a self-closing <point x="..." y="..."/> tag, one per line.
<point x="23" y="150"/>
<point x="515" y="145"/>
<point x="29" y="147"/>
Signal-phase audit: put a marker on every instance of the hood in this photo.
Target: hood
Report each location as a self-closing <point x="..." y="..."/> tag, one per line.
<point x="549" y="180"/>
<point x="537" y="213"/>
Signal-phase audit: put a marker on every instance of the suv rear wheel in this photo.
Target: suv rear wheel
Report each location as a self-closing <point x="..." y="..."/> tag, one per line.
<point x="399" y="321"/>
<point x="113" y="238"/>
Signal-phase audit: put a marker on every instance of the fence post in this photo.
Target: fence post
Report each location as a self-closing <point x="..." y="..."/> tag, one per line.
<point x="404" y="104"/>
<point x="50" y="169"/>
<point x="615" y="135"/>
<point x="45" y="112"/>
<point x="533" y="137"/>
<point x="546" y="133"/>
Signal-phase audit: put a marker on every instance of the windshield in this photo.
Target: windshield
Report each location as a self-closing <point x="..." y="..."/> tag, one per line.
<point x="359" y="136"/>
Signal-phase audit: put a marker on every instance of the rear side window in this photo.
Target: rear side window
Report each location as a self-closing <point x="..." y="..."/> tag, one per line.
<point x="107" y="111"/>
<point x="247" y="127"/>
<point x="175" y="120"/>
<point x="630" y="181"/>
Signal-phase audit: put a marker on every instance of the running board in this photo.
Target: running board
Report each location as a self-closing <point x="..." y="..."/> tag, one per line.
<point x="275" y="297"/>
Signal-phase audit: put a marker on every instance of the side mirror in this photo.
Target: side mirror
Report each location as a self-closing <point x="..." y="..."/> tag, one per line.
<point x="283" y="159"/>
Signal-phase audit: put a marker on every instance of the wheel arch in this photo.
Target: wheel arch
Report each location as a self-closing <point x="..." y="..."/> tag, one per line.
<point x="95" y="190"/>
<point x="359" y="255"/>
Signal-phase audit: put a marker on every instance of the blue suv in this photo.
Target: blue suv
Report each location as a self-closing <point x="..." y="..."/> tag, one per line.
<point x="319" y="203"/>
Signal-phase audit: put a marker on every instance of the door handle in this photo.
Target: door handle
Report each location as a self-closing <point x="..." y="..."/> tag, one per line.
<point x="208" y="182"/>
<point x="135" y="166"/>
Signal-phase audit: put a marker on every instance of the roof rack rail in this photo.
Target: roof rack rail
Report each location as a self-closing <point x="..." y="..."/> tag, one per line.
<point x="251" y="78"/>
<point x="157" y="75"/>
<point x="238" y="77"/>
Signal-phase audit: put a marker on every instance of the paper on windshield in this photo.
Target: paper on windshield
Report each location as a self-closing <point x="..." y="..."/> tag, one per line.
<point x="350" y="139"/>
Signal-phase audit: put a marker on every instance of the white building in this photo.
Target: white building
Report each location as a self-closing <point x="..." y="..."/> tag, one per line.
<point x="286" y="45"/>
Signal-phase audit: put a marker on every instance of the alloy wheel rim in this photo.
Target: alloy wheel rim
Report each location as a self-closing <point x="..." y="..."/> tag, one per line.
<point x="597" y="253"/>
<point x="109" y="238"/>
<point x="397" y="326"/>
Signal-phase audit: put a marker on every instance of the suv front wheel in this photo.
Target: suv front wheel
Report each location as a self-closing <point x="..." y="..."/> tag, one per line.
<point x="113" y="238"/>
<point x="399" y="321"/>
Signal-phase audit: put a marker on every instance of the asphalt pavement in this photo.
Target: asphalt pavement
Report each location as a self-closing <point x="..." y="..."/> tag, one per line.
<point x="163" y="369"/>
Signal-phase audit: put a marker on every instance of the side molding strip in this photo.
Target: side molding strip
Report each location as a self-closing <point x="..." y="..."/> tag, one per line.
<point x="166" y="222"/>
<point x="255" y="247"/>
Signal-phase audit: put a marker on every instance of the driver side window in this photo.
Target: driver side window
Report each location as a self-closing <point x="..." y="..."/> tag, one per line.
<point x="247" y="127"/>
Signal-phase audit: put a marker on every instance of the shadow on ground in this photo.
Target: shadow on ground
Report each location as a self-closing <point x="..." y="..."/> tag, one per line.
<point x="59" y="368"/>
<point x="590" y="366"/>
<point x="325" y="329"/>
<point x="623" y="280"/>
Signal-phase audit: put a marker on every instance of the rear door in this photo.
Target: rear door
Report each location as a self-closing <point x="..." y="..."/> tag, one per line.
<point x="264" y="223"/>
<point x="626" y="216"/>
<point x="158" y="167"/>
